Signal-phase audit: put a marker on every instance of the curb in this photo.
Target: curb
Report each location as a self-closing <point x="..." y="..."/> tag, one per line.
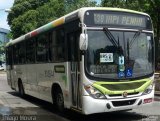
<point x="157" y="93"/>
<point x="2" y="71"/>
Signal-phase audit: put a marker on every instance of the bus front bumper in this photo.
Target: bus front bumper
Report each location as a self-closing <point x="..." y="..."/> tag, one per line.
<point x="91" y="105"/>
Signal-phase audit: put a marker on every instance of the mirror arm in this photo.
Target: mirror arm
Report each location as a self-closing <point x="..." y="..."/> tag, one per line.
<point x="84" y="28"/>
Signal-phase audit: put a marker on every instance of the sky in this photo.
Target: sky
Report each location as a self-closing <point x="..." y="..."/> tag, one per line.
<point x="6" y="4"/>
<point x="98" y="1"/>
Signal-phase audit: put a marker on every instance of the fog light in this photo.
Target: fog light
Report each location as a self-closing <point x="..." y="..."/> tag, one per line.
<point x="108" y="106"/>
<point x="148" y="100"/>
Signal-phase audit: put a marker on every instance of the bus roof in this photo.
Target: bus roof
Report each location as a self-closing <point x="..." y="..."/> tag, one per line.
<point x="64" y="19"/>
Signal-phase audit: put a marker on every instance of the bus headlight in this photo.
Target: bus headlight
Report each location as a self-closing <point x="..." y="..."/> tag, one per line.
<point x="93" y="92"/>
<point x="148" y="90"/>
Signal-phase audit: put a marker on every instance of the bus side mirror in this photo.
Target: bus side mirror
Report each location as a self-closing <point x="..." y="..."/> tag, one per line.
<point x="83" y="42"/>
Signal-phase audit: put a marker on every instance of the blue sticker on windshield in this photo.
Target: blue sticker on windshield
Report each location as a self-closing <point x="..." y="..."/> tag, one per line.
<point x="129" y="72"/>
<point x="121" y="74"/>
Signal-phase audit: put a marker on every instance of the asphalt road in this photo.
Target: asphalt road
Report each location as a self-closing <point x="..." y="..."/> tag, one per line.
<point x="15" y="108"/>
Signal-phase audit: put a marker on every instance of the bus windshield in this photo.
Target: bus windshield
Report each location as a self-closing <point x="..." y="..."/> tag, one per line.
<point x="119" y="54"/>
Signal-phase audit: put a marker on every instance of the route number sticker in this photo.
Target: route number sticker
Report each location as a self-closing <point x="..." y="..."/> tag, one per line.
<point x="106" y="57"/>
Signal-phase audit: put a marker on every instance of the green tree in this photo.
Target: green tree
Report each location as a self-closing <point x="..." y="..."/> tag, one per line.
<point x="128" y="4"/>
<point x="2" y="51"/>
<point x="21" y="6"/>
<point x="112" y="3"/>
<point x="23" y="16"/>
<point x="152" y="7"/>
<point x="72" y="5"/>
<point x="50" y="11"/>
<point x="31" y="14"/>
<point x="28" y="20"/>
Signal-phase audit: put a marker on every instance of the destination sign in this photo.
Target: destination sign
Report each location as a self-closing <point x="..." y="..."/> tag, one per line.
<point x="125" y="20"/>
<point x="117" y="19"/>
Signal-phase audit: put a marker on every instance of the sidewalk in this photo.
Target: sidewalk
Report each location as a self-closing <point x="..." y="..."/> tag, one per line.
<point x="157" y="93"/>
<point x="157" y="84"/>
<point x="2" y="72"/>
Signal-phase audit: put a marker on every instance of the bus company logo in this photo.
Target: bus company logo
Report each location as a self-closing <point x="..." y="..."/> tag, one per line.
<point x="125" y="94"/>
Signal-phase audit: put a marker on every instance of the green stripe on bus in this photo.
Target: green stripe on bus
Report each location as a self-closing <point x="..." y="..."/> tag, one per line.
<point x="104" y="90"/>
<point x="64" y="78"/>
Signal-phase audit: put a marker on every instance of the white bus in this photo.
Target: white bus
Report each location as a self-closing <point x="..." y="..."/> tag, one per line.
<point x="92" y="60"/>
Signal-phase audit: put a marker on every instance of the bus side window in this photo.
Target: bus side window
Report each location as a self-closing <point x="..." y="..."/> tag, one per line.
<point x="58" y="50"/>
<point x="73" y="48"/>
<point x="7" y="56"/>
<point x="22" y="50"/>
<point x="50" y="47"/>
<point x="30" y="51"/>
<point x="42" y="48"/>
<point x="15" y="54"/>
<point x="10" y="56"/>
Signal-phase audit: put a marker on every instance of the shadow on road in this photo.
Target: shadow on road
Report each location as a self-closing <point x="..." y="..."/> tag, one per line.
<point x="47" y="112"/>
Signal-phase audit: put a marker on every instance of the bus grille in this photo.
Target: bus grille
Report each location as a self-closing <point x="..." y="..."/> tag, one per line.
<point x="129" y="94"/>
<point x="124" y="86"/>
<point x="123" y="103"/>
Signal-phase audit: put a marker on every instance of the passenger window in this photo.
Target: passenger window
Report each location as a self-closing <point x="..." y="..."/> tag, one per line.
<point x="22" y="51"/>
<point x="30" y="50"/>
<point x="58" y="38"/>
<point x="15" y="54"/>
<point x="42" y="48"/>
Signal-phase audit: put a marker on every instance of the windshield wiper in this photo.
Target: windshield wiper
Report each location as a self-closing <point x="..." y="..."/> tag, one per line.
<point x="136" y="35"/>
<point x="128" y="53"/>
<point x="120" y="51"/>
<point x="110" y="36"/>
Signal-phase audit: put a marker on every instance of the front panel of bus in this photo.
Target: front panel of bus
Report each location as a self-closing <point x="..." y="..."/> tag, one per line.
<point x="119" y="62"/>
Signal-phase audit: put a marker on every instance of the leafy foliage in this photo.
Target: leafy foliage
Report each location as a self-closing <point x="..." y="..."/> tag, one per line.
<point x="21" y="6"/>
<point x="31" y="14"/>
<point x="71" y="5"/>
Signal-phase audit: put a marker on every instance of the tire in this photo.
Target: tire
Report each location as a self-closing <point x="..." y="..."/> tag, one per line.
<point x="21" y="89"/>
<point x="59" y="100"/>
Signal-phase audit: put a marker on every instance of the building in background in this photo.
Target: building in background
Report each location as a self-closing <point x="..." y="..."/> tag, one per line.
<point x="3" y="35"/>
<point x="3" y="40"/>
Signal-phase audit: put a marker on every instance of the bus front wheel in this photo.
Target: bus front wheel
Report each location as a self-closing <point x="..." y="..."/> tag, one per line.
<point x="59" y="100"/>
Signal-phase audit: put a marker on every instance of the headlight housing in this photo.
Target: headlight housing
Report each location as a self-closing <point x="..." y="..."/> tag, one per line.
<point x="93" y="92"/>
<point x="148" y="90"/>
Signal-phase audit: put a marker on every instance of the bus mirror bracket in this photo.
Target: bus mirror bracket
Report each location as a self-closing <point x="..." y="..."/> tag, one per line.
<point x="83" y="42"/>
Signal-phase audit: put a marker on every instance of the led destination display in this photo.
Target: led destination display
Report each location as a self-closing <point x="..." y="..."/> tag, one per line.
<point x="117" y="19"/>
<point x="126" y="20"/>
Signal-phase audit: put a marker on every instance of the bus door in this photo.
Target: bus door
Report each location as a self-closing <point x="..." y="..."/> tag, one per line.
<point x="73" y="53"/>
